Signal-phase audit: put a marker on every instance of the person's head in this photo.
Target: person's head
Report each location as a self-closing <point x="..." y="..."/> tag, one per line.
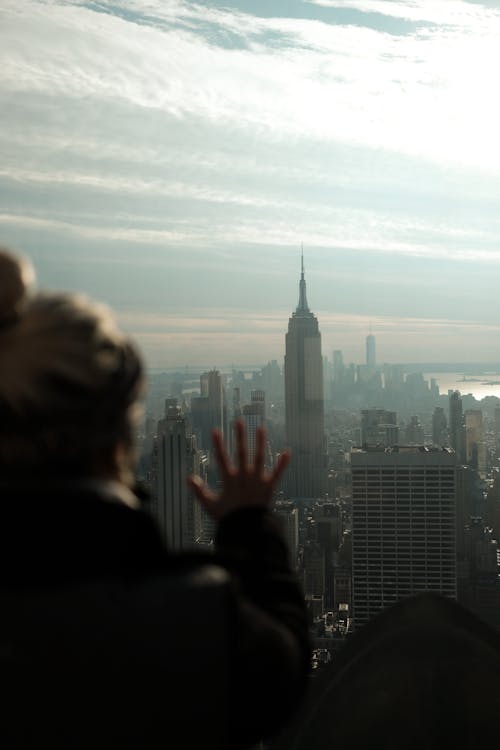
<point x="70" y="383"/>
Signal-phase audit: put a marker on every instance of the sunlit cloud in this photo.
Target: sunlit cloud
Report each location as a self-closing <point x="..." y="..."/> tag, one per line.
<point x="194" y="139"/>
<point x="448" y="12"/>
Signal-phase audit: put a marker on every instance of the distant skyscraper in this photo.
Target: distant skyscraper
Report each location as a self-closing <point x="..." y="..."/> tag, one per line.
<point x="304" y="407"/>
<point x="475" y="447"/>
<point x="371" y="362"/>
<point x="379" y="427"/>
<point x="414" y="433"/>
<point x="456" y="426"/>
<point x="254" y="417"/>
<point x="338" y="365"/>
<point x="403" y="527"/>
<point x="208" y="411"/>
<point x="439" y="425"/>
<point x="497" y="428"/>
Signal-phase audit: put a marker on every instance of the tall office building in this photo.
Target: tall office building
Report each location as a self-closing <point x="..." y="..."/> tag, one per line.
<point x="475" y="447"/>
<point x="254" y="417"/>
<point x="497" y="429"/>
<point x="208" y="411"/>
<point x="414" y="433"/>
<point x="338" y="365"/>
<point x="177" y="458"/>
<point x="403" y="527"/>
<point x="439" y="427"/>
<point x="379" y="427"/>
<point x="371" y="362"/>
<point x="212" y="388"/>
<point x="304" y="408"/>
<point x="456" y="426"/>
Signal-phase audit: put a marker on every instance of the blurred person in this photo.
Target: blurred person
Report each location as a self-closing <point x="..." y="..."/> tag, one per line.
<point x="106" y="638"/>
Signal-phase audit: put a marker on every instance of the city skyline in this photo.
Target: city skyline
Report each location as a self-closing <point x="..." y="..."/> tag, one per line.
<point x="180" y="193"/>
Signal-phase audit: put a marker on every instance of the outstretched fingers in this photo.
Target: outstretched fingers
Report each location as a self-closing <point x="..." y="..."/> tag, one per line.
<point x="281" y="464"/>
<point x="241" y="447"/>
<point x="220" y="454"/>
<point x="205" y="496"/>
<point x="260" y="440"/>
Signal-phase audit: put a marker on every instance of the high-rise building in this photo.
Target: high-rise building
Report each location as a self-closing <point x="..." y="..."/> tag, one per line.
<point x="338" y="365"/>
<point x="212" y="388"/>
<point x="403" y="527"/>
<point x="439" y="427"/>
<point x="304" y="406"/>
<point x="314" y="564"/>
<point x="272" y="381"/>
<point x="328" y="526"/>
<point x="456" y="426"/>
<point x="371" y="361"/>
<point x="208" y="411"/>
<point x="177" y="458"/>
<point x="497" y="429"/>
<point x="254" y="417"/>
<point x="414" y="433"/>
<point x="475" y="447"/>
<point x="379" y="427"/>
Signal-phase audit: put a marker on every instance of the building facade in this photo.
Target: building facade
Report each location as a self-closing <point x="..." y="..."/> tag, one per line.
<point x="403" y="527"/>
<point x="379" y="427"/>
<point x="177" y="458"/>
<point x="254" y="417"/>
<point x="456" y="426"/>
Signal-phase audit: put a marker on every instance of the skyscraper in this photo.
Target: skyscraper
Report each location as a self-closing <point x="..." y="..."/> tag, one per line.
<point x="208" y="411"/>
<point x="456" y="426"/>
<point x="370" y="352"/>
<point x="178" y="457"/>
<point x="379" y="427"/>
<point x="254" y="417"/>
<point x="439" y="425"/>
<point x="475" y="447"/>
<point x="304" y="408"/>
<point x="403" y="528"/>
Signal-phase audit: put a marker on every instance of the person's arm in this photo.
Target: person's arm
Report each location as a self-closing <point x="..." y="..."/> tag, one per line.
<point x="271" y="633"/>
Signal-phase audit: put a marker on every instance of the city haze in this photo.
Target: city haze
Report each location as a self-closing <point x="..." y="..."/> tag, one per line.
<point x="170" y="157"/>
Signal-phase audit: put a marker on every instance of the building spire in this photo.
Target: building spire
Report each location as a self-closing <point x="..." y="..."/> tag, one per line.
<point x="302" y="306"/>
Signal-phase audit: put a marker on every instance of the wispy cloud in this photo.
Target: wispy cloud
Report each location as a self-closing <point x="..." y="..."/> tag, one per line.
<point x="411" y="94"/>
<point x="199" y="137"/>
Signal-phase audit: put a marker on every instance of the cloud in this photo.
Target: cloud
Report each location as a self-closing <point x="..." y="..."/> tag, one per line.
<point x="445" y="12"/>
<point x="175" y="135"/>
<point x="409" y="94"/>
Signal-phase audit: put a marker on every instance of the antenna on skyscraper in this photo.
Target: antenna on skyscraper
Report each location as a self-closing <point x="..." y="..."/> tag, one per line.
<point x="302" y="306"/>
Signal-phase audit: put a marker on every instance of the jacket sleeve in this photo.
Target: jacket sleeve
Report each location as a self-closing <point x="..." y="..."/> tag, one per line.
<point x="272" y="653"/>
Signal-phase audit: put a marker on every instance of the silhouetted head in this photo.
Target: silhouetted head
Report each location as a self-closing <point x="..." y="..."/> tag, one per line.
<point x="70" y="382"/>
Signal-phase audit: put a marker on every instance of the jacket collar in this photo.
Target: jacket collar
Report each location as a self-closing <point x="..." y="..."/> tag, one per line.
<point x="67" y="530"/>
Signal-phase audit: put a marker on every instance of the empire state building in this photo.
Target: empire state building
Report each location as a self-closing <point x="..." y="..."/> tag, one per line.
<point x="304" y="408"/>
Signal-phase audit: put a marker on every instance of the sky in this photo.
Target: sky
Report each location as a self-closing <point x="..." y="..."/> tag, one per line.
<point x="170" y="157"/>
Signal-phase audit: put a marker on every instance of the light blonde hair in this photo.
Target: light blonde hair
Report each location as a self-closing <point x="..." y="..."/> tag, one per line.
<point x="70" y="381"/>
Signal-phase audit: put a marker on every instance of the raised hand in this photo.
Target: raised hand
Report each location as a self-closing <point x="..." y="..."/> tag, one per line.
<point x="243" y="485"/>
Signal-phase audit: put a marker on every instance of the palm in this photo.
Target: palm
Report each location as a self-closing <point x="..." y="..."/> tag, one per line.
<point x="244" y="485"/>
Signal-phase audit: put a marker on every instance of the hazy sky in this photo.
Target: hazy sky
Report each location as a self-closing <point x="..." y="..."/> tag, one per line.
<point x="169" y="157"/>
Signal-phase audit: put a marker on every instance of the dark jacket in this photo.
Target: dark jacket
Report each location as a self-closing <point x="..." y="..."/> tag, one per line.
<point x="107" y="639"/>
